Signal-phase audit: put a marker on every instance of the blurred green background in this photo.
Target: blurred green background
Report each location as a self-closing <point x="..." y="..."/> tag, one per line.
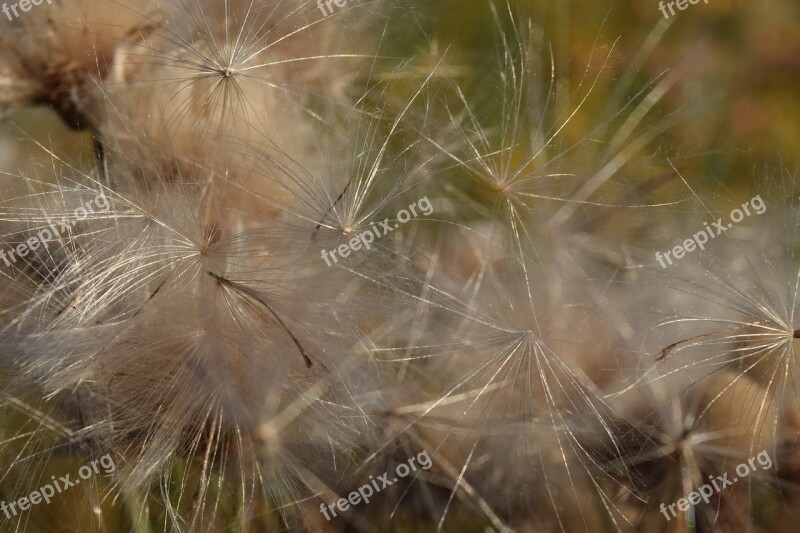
<point x="738" y="92"/>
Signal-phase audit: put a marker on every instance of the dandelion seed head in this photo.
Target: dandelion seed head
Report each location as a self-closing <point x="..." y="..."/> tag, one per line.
<point x="194" y="332"/>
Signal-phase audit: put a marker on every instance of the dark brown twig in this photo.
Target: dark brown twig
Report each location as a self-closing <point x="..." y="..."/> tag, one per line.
<point x="666" y="351"/>
<point x="313" y="235"/>
<point x="255" y="296"/>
